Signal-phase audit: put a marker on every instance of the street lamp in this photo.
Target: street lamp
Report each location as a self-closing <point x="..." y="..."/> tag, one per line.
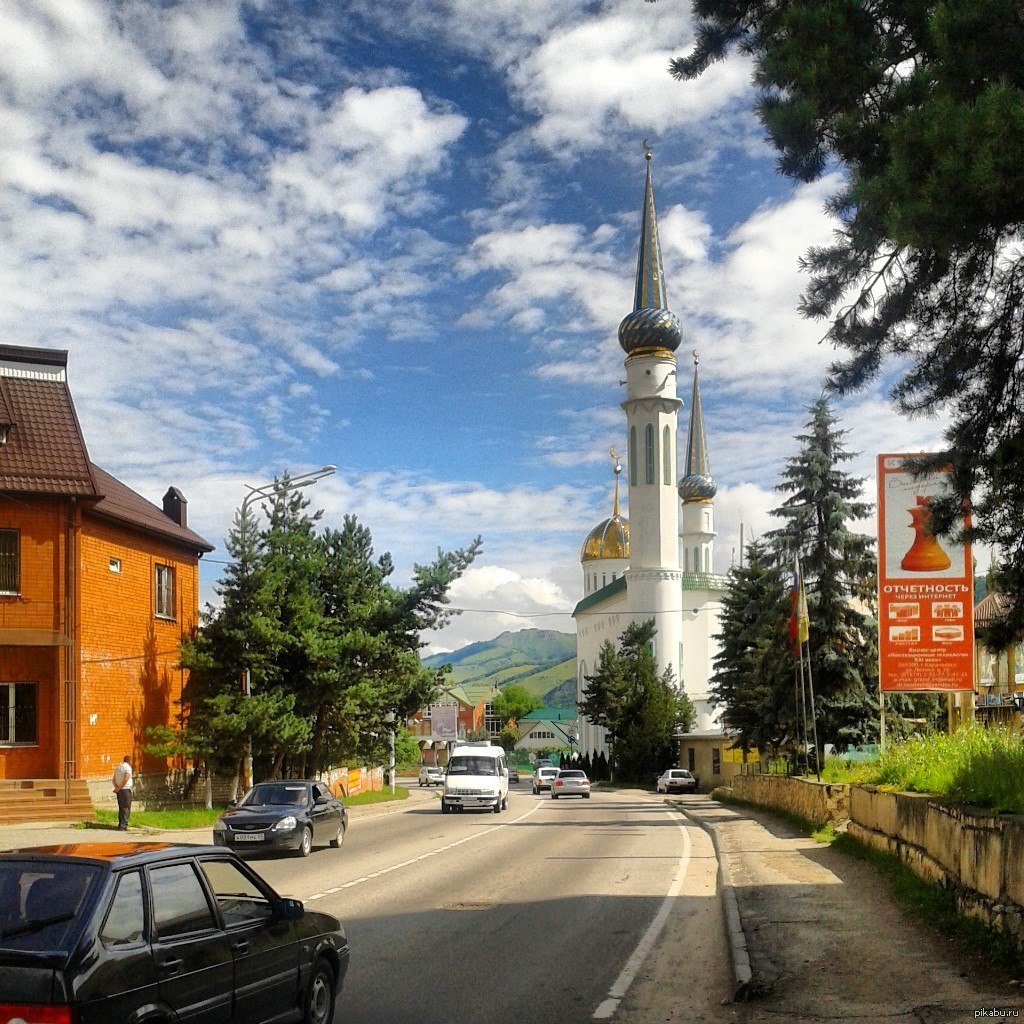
<point x="294" y="483"/>
<point x="390" y="719"/>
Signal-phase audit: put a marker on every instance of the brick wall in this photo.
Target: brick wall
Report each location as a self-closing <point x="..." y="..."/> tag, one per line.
<point x="129" y="678"/>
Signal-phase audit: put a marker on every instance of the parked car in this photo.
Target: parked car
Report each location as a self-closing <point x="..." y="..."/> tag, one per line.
<point x="431" y="775"/>
<point x="570" y="782"/>
<point x="99" y="933"/>
<point x="677" y="780"/>
<point x="543" y="777"/>
<point x="513" y="773"/>
<point x="294" y="814"/>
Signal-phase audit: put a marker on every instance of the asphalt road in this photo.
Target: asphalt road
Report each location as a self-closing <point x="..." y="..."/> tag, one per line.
<point x="553" y="912"/>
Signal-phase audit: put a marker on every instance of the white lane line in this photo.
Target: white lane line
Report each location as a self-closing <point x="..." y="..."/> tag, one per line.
<point x="422" y="856"/>
<point x="635" y="962"/>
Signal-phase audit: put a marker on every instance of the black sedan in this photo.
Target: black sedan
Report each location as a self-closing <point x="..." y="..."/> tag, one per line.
<point x="100" y="933"/>
<point x="291" y="815"/>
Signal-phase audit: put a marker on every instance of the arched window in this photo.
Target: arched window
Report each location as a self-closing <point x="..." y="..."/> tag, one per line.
<point x="632" y="457"/>
<point x="696" y="559"/>
<point x="666" y="457"/>
<point x="707" y="560"/>
<point x="650" y="454"/>
<point x="686" y="559"/>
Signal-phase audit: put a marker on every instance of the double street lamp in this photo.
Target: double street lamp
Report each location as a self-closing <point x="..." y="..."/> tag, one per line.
<point x="294" y="483"/>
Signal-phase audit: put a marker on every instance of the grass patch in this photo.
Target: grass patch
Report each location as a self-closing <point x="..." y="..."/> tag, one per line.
<point x="179" y="817"/>
<point x="936" y="905"/>
<point x="380" y="796"/>
<point x="977" y="765"/>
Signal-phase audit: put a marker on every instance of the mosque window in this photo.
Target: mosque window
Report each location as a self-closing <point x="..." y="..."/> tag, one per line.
<point x="650" y="454"/>
<point x="604" y="579"/>
<point x="666" y="457"/>
<point x="632" y="457"/>
<point x="707" y="561"/>
<point x="686" y="559"/>
<point x="696" y="559"/>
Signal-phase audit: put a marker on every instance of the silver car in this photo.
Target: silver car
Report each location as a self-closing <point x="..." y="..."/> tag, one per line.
<point x="543" y="777"/>
<point x="677" y="780"/>
<point x="431" y="775"/>
<point x="570" y="782"/>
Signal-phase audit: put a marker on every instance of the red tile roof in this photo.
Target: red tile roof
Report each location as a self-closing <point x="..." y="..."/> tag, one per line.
<point x="45" y="451"/>
<point x="122" y="504"/>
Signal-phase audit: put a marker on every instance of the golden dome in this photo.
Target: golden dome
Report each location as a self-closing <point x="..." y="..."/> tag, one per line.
<point x="609" y="539"/>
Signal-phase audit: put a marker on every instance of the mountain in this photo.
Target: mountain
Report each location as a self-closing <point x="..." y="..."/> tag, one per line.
<point x="540" y="660"/>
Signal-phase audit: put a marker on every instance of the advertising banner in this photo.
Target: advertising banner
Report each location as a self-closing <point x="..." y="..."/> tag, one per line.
<point x="925" y="587"/>
<point x="444" y="720"/>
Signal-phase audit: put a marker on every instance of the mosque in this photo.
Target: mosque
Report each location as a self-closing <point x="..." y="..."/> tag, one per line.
<point x="658" y="563"/>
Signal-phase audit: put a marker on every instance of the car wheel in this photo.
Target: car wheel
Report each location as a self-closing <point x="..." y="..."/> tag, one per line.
<point x="586" y="796"/>
<point x="554" y="796"/>
<point x="339" y="838"/>
<point x="444" y="807"/>
<point x="497" y="806"/>
<point x="320" y="995"/>
<point x="306" y="843"/>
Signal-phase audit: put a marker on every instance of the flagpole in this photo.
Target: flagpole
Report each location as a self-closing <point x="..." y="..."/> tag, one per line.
<point x="814" y="712"/>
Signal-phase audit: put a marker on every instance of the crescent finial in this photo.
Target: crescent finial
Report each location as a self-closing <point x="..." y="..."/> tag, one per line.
<point x="647" y="150"/>
<point x="696" y="360"/>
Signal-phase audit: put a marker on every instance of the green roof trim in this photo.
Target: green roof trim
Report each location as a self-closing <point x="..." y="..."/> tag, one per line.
<point x="551" y="715"/>
<point x="613" y="588"/>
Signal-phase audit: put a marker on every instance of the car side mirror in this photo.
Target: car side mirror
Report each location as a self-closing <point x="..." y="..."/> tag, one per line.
<point x="322" y="800"/>
<point x="292" y="910"/>
<point x="232" y="803"/>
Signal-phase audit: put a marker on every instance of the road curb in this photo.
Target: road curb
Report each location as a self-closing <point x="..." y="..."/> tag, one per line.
<point x="736" y="937"/>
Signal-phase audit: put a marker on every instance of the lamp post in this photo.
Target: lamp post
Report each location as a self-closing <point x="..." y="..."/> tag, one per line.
<point x="295" y="483"/>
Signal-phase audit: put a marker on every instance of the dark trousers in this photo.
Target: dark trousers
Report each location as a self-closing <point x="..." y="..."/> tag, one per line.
<point x="124" y="808"/>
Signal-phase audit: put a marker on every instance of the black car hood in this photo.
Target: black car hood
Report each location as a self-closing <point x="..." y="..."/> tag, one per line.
<point x="259" y="812"/>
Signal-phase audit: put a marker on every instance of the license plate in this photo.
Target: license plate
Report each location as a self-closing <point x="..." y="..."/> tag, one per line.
<point x="249" y="837"/>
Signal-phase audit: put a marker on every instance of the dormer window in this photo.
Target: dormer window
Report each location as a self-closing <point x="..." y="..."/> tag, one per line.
<point x="5" y="433"/>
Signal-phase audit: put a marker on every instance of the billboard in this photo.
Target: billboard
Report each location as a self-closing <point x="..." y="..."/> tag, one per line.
<point x="444" y="720"/>
<point x="925" y="587"/>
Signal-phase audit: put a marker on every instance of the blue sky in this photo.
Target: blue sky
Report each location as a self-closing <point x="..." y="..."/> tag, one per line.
<point x="399" y="238"/>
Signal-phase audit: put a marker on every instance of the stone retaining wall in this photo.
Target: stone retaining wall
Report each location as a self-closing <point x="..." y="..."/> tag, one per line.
<point x="816" y="802"/>
<point x="976" y="854"/>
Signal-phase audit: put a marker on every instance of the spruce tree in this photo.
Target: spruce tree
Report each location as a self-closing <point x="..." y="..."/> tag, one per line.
<point x="839" y="570"/>
<point x="752" y="685"/>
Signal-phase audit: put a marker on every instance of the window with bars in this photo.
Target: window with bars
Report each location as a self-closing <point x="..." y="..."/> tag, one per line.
<point x="10" y="562"/>
<point x="164" y="592"/>
<point x="650" y="453"/>
<point x="19" y="714"/>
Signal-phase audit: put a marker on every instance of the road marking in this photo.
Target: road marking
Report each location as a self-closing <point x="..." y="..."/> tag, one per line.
<point x="634" y="963"/>
<point x="421" y="857"/>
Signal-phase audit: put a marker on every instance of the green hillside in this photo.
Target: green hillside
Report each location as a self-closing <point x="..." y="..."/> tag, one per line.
<point x="540" y="660"/>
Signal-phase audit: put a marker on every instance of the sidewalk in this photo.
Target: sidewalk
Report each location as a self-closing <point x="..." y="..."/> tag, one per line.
<point x="60" y="833"/>
<point x="827" y="942"/>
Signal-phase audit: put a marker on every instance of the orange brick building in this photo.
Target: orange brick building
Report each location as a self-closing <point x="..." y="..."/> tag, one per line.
<point x="97" y="588"/>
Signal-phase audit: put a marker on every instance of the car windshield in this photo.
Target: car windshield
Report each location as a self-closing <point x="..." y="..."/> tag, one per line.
<point x="40" y="903"/>
<point x="571" y="775"/>
<point x="466" y="765"/>
<point x="277" y="794"/>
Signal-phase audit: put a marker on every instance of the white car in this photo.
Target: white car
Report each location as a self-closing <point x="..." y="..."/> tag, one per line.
<point x="431" y="775"/>
<point x="543" y="777"/>
<point x="570" y="782"/>
<point x="677" y="780"/>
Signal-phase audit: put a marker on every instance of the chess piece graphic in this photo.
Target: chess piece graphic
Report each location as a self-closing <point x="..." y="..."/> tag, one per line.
<point x="925" y="554"/>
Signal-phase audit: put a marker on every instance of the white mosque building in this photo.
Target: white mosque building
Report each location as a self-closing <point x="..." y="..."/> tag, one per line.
<point x="658" y="563"/>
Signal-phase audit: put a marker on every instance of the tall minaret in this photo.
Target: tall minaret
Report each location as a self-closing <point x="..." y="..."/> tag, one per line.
<point x="649" y="336"/>
<point x="697" y="489"/>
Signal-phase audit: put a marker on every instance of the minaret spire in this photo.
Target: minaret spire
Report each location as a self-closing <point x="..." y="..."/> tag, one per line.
<point x="617" y="471"/>
<point x="697" y="483"/>
<point x="651" y="326"/>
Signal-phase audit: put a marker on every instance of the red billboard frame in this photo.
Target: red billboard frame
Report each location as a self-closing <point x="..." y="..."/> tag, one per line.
<point x="925" y="587"/>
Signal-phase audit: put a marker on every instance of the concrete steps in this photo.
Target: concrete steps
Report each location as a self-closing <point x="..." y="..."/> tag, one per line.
<point x="43" y="800"/>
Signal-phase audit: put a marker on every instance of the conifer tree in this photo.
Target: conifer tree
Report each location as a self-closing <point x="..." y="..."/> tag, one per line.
<point x="839" y="570"/>
<point x="752" y="684"/>
<point x="923" y="106"/>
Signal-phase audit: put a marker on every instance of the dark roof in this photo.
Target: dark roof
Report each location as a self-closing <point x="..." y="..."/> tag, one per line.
<point x="121" y="504"/>
<point x="45" y="452"/>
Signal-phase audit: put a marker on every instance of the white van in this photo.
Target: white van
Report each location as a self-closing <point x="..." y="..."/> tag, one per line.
<point x="476" y="776"/>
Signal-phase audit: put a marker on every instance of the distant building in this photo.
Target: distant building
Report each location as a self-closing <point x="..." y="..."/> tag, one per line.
<point x="548" y="727"/>
<point x="461" y="710"/>
<point x="98" y="587"/>
<point x="658" y="563"/>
